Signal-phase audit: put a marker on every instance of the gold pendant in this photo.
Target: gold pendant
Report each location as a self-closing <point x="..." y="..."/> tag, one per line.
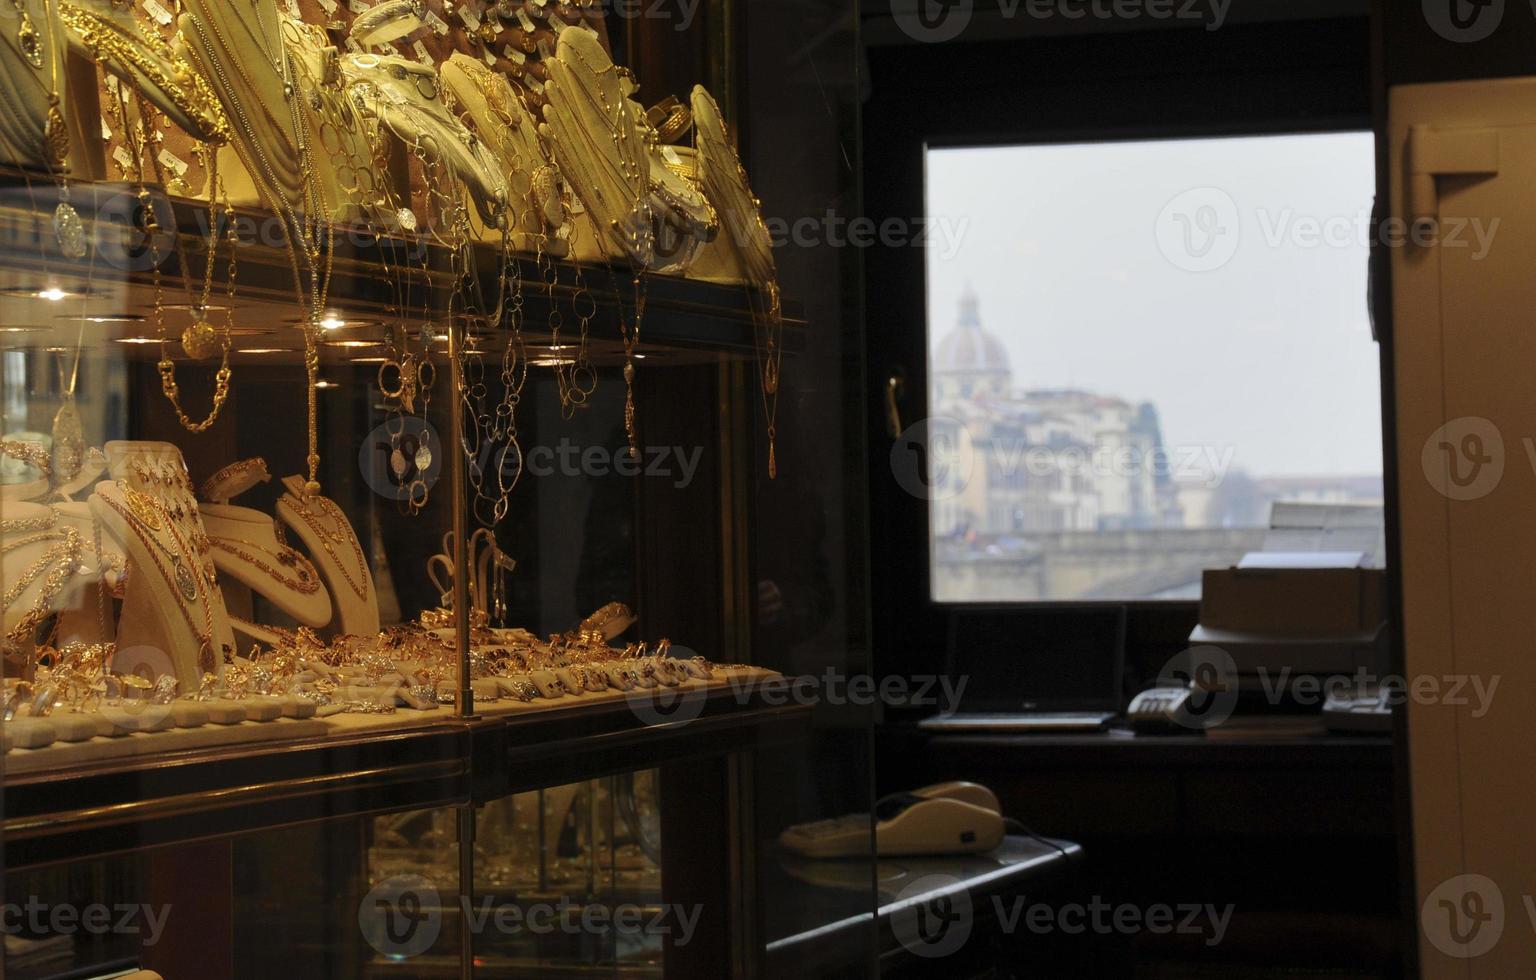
<point x="144" y="508"/>
<point x="398" y="464"/>
<point x="29" y="41"/>
<point x="200" y="340"/>
<point x="773" y="464"/>
<point x="70" y="231"/>
<point x="68" y="441"/>
<point x="423" y="459"/>
<point x="185" y="583"/>
<point x="56" y="134"/>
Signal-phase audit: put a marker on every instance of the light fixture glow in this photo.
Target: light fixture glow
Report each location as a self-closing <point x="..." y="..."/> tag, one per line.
<point x="52" y="294"/>
<point x="332" y="323"/>
<point x="138" y="340"/>
<point x="101" y="318"/>
<point x="352" y="343"/>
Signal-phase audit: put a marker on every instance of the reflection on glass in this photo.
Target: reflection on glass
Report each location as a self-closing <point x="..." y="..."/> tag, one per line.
<point x="567" y="879"/>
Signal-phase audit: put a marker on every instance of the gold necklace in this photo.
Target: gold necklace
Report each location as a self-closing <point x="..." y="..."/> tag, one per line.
<point x="62" y="560"/>
<point x="329" y="537"/>
<point x="304" y="581"/>
<point x="199" y="338"/>
<point x="306" y="231"/>
<point x="184" y="587"/>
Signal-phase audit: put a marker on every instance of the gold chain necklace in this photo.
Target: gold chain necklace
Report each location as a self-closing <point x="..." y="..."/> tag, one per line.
<point x="134" y="516"/>
<point x="304" y="580"/>
<point x="306" y="231"/>
<point x="329" y="537"/>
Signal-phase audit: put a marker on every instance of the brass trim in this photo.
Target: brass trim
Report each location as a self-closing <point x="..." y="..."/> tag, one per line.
<point x="89" y="818"/>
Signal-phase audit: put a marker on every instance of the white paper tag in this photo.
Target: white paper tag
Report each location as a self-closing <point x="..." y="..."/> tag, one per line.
<point x="359" y="6"/>
<point x="123" y="159"/>
<point x="489" y="57"/>
<point x="469" y="16"/>
<point x="536" y="85"/>
<point x="525" y="20"/>
<point x="670" y="155"/>
<point x="422" y="55"/>
<point x="556" y="23"/>
<point x="174" y="162"/>
<point x="106" y="131"/>
<point x="329" y="6"/>
<point x="160" y="14"/>
<point x="111" y="84"/>
<point x="515" y="55"/>
<point x="438" y="25"/>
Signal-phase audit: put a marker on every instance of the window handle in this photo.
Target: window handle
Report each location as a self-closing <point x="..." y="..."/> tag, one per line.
<point x="893" y="392"/>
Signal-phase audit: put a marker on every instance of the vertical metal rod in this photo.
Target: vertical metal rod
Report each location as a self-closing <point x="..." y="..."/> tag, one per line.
<point x="466" y="819"/>
<point x="456" y="464"/>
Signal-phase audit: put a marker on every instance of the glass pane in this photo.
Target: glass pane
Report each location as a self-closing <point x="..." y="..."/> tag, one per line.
<point x="1137" y="350"/>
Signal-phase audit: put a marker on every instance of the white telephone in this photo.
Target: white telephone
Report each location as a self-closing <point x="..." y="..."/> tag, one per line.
<point x="946" y="818"/>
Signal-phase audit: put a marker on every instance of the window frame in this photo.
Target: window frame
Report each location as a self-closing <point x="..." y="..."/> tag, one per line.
<point x="1296" y="77"/>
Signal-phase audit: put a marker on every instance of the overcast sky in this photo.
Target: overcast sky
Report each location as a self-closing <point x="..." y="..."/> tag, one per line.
<point x="1082" y="255"/>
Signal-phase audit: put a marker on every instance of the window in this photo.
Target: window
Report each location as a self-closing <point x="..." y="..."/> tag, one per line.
<point x="1136" y="350"/>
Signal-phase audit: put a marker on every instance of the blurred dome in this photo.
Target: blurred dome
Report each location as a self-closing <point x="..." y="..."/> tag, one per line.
<point x="969" y="349"/>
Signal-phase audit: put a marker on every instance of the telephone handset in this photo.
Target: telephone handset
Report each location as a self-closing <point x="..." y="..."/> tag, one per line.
<point x="946" y="818"/>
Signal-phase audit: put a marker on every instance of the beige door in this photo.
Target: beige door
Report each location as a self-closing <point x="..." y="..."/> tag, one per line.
<point x="1464" y="303"/>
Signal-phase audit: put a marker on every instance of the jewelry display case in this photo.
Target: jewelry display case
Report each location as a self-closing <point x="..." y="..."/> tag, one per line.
<point x="420" y="474"/>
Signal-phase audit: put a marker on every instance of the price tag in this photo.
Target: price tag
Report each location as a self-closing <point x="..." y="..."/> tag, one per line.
<point x="106" y="131"/>
<point x="358" y="6"/>
<point x="670" y="155"/>
<point x="438" y="25"/>
<point x="161" y="16"/>
<point x="513" y="55"/>
<point x="123" y="159"/>
<point x="469" y="16"/>
<point x="329" y="6"/>
<point x="536" y="85"/>
<point x="174" y="162"/>
<point x="489" y="57"/>
<point x="525" y="20"/>
<point x="422" y="54"/>
<point x="556" y="23"/>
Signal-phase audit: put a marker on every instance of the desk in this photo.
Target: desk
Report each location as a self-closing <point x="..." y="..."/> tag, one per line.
<point x="1259" y="813"/>
<point x="906" y="885"/>
<point x="1278" y="776"/>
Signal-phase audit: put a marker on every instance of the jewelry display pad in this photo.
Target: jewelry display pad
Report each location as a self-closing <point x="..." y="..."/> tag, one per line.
<point x="171" y="619"/>
<point x="333" y="546"/>
<point x="245" y="548"/>
<point x="101" y="749"/>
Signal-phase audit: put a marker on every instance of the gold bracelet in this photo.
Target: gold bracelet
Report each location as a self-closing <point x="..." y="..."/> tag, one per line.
<point x="235" y="479"/>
